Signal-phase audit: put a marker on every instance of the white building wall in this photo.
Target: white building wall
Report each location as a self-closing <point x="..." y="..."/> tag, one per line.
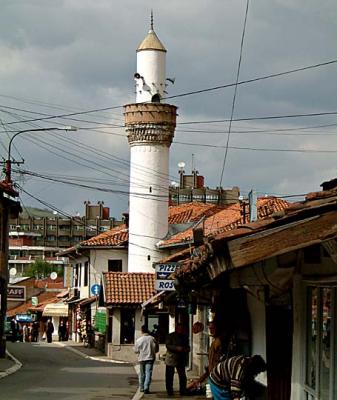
<point x="116" y="327"/>
<point x="148" y="204"/>
<point x="151" y="65"/>
<point x="99" y="262"/>
<point x="258" y="325"/>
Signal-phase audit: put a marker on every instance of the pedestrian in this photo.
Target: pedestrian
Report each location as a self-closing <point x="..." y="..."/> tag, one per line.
<point x="62" y="331"/>
<point x="24" y="333"/>
<point x="233" y="377"/>
<point x="146" y="347"/>
<point x="176" y="358"/>
<point x="15" y="329"/>
<point x="49" y="331"/>
<point x="35" y="331"/>
<point x="216" y="351"/>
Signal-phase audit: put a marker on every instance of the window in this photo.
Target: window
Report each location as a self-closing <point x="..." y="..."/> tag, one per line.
<point x="114" y="265"/>
<point x="86" y="273"/>
<point x="76" y="272"/>
<point x="321" y="359"/>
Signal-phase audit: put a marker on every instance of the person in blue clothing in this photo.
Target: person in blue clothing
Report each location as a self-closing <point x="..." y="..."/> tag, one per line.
<point x="234" y="377"/>
<point x="146" y="347"/>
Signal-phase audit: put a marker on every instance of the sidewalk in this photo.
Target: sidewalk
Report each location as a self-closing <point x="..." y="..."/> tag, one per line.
<point x="8" y="365"/>
<point x="157" y="389"/>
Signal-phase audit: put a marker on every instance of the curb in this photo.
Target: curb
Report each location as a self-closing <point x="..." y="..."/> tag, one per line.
<point x="138" y="395"/>
<point x="80" y="353"/>
<point x="13" y="369"/>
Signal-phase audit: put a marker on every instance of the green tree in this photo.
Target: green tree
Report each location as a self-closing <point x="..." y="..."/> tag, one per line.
<point x="40" y="269"/>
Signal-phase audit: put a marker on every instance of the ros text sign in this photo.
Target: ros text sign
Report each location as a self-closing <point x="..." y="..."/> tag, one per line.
<point x="163" y="272"/>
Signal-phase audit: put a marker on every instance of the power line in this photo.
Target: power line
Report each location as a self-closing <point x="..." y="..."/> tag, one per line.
<point x="317" y="114"/>
<point x="264" y="77"/>
<point x="235" y="92"/>
<point x="259" y="149"/>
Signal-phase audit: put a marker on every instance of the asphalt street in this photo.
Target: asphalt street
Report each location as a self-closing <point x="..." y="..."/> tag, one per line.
<point x="52" y="372"/>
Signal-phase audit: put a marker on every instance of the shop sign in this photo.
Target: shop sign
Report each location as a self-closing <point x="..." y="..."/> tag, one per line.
<point x="16" y="293"/>
<point x="163" y="272"/>
<point x="25" y="317"/>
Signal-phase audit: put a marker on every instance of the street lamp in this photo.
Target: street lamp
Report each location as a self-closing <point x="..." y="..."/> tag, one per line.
<point x="8" y="163"/>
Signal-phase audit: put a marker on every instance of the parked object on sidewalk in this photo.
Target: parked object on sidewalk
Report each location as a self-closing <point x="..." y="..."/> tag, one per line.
<point x="234" y="377"/>
<point x="176" y="358"/>
<point x="89" y="338"/>
<point x="146" y="347"/>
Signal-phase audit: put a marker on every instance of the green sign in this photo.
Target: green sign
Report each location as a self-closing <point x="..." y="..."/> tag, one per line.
<point x="100" y="321"/>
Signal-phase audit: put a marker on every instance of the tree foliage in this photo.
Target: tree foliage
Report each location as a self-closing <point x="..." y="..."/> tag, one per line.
<point x="40" y="269"/>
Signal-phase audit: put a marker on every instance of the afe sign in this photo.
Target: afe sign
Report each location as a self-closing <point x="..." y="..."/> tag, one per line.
<point x="16" y="293"/>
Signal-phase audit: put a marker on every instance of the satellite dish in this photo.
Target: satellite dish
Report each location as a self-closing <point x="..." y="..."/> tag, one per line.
<point x="12" y="272"/>
<point x="53" y="276"/>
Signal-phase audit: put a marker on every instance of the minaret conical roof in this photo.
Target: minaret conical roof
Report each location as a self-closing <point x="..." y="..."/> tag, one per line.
<point x="151" y="42"/>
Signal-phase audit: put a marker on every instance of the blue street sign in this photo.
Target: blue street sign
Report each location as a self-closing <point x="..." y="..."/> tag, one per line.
<point x="95" y="289"/>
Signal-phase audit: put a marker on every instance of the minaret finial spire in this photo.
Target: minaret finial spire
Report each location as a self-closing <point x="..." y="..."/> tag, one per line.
<point x="151" y="20"/>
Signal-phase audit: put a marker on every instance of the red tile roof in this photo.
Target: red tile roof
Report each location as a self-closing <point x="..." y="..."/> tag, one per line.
<point x="222" y="219"/>
<point x="116" y="236"/>
<point x="191" y="212"/>
<point x="56" y="284"/>
<point x="216" y="219"/>
<point x="122" y="288"/>
<point x="43" y="299"/>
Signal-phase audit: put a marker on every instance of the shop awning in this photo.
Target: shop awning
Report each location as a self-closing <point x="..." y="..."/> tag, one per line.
<point x="55" y="310"/>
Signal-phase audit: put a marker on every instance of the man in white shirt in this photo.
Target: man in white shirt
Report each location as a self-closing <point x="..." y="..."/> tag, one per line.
<point x="146" y="347"/>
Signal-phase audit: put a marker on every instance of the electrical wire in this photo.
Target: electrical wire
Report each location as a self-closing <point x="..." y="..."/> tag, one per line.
<point x="312" y="151"/>
<point x="235" y="93"/>
<point x="264" y="77"/>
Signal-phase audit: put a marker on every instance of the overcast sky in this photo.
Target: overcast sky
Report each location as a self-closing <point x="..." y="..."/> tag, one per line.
<point x="66" y="56"/>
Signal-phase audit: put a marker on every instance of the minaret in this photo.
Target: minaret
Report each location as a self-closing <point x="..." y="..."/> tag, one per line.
<point x="150" y="128"/>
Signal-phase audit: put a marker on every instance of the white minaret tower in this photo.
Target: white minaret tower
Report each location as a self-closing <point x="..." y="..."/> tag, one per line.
<point x="150" y="128"/>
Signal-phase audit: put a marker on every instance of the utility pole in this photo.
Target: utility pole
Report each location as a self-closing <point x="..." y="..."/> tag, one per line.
<point x="9" y="207"/>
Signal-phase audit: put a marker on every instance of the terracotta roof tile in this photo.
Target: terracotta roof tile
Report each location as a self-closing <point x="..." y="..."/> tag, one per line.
<point x="122" y="288"/>
<point x="190" y="212"/>
<point x="222" y="219"/>
<point x="43" y="299"/>
<point x="116" y="236"/>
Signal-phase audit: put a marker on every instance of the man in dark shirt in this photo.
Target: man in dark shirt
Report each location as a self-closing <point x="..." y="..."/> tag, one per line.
<point x="177" y="346"/>
<point x="233" y="377"/>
